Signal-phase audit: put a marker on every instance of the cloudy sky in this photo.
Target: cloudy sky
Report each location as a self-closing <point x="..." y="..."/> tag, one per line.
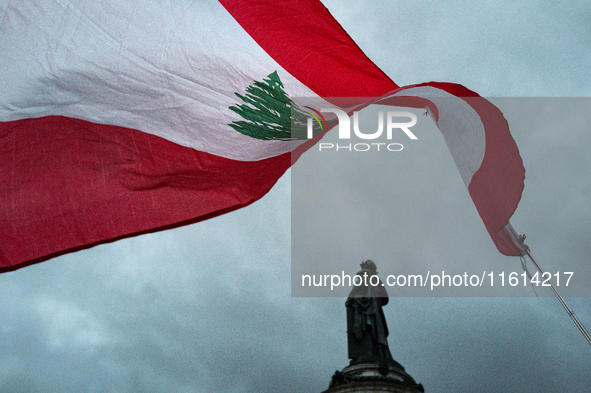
<point x="208" y="307"/>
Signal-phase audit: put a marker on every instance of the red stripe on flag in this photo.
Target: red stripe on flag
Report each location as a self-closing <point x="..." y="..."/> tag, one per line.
<point x="304" y="38"/>
<point x="69" y="184"/>
<point x="496" y="187"/>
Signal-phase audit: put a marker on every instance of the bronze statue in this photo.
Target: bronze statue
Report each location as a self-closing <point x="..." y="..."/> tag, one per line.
<point x="367" y="331"/>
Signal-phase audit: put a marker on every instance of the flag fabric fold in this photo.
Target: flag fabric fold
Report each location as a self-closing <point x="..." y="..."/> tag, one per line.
<point x="483" y="149"/>
<point x="116" y="119"/>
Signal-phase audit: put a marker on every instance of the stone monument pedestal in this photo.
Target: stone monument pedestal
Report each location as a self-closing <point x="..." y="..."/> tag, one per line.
<point x="373" y="378"/>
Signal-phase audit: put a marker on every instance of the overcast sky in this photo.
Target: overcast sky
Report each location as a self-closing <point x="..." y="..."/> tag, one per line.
<point x="208" y="307"/>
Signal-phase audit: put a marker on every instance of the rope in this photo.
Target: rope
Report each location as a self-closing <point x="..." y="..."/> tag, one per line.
<point x="566" y="307"/>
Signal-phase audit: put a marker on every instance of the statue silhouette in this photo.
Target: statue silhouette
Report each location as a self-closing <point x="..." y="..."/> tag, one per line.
<point x="367" y="331"/>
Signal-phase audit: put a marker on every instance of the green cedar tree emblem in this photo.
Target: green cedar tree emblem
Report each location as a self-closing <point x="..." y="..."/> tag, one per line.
<point x="269" y="113"/>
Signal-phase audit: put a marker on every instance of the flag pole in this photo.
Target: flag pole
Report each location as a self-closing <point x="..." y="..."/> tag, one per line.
<point x="566" y="307"/>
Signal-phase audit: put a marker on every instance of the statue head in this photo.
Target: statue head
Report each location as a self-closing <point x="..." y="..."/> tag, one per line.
<point x="369" y="265"/>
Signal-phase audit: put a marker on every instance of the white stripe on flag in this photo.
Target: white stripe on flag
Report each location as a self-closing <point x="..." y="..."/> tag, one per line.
<point x="147" y="76"/>
<point x="460" y="125"/>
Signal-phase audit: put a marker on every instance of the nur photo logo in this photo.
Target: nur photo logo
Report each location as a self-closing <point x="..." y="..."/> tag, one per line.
<point x="395" y="120"/>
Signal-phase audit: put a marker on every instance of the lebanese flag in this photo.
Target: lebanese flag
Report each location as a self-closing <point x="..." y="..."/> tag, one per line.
<point x="487" y="158"/>
<point x="119" y="118"/>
